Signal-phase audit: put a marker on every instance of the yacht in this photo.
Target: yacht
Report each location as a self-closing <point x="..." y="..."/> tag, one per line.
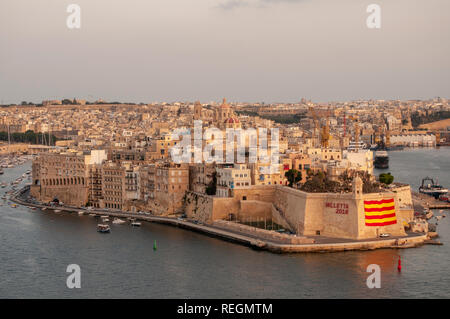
<point x="381" y="159"/>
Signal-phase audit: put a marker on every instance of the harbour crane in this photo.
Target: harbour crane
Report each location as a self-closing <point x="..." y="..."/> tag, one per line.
<point x="316" y="123"/>
<point x="325" y="132"/>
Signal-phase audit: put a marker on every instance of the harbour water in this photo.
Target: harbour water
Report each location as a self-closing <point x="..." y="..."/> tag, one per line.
<point x="37" y="246"/>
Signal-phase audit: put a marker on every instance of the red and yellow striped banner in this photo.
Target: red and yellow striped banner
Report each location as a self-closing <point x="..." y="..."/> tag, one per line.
<point x="380" y="212"/>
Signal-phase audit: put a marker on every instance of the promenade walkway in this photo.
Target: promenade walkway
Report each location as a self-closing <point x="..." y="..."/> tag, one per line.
<point x="322" y="244"/>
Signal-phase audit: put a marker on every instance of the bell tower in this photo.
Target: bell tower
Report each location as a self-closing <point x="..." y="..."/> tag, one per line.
<point x="198" y="111"/>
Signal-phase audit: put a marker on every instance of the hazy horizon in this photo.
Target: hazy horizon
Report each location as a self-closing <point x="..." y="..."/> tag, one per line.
<point x="245" y="50"/>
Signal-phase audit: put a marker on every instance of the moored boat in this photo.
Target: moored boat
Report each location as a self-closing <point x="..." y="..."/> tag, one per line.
<point x="103" y="228"/>
<point x="118" y="221"/>
<point x="381" y="159"/>
<point x="432" y="189"/>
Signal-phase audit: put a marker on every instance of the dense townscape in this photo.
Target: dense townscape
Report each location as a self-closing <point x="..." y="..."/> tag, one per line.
<point x="120" y="157"/>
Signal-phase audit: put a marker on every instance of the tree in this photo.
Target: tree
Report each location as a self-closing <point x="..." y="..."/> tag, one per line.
<point x="386" y="178"/>
<point x="293" y="176"/>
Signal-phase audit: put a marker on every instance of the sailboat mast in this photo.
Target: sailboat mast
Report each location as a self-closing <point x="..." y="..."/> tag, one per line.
<point x="9" y="139"/>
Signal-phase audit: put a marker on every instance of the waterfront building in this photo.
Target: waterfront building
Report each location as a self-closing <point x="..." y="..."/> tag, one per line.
<point x="95" y="185"/>
<point x="64" y="176"/>
<point x="229" y="177"/>
<point x="171" y="183"/>
<point x="201" y="176"/>
<point x="413" y="139"/>
<point x="113" y="181"/>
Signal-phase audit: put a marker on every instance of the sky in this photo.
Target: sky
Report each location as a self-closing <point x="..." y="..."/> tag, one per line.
<point x="245" y="50"/>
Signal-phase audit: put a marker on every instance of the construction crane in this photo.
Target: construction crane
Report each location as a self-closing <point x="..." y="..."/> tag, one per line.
<point x="316" y="123"/>
<point x="388" y="138"/>
<point x="378" y="134"/>
<point x="325" y="133"/>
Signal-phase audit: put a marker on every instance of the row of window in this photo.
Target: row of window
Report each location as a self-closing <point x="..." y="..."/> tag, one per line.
<point x="113" y="193"/>
<point x="64" y="181"/>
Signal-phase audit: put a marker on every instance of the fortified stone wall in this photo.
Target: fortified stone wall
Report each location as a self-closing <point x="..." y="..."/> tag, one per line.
<point x="262" y="233"/>
<point x="370" y="231"/>
<point x="404" y="196"/>
<point x="307" y="214"/>
<point x="255" y="209"/>
<point x="71" y="195"/>
<point x="279" y="218"/>
<point x="199" y="206"/>
<point x="333" y="215"/>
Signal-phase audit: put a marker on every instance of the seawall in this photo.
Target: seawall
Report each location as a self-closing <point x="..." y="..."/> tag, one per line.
<point x="250" y="240"/>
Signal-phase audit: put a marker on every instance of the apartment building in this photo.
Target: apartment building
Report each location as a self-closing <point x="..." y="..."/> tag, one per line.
<point x="171" y="183"/>
<point x="160" y="148"/>
<point x="201" y="176"/>
<point x="232" y="176"/>
<point x="113" y="178"/>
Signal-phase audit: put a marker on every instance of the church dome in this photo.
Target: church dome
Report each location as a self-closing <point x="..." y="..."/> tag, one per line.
<point x="231" y="120"/>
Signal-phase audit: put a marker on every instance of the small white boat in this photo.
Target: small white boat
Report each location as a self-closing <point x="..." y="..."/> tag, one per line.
<point x="118" y="221"/>
<point x="137" y="224"/>
<point x="80" y="213"/>
<point x="57" y="211"/>
<point x="105" y="219"/>
<point x="102" y="228"/>
<point x="44" y="208"/>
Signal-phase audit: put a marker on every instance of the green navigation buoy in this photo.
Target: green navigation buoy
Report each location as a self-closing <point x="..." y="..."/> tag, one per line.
<point x="154" y="245"/>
